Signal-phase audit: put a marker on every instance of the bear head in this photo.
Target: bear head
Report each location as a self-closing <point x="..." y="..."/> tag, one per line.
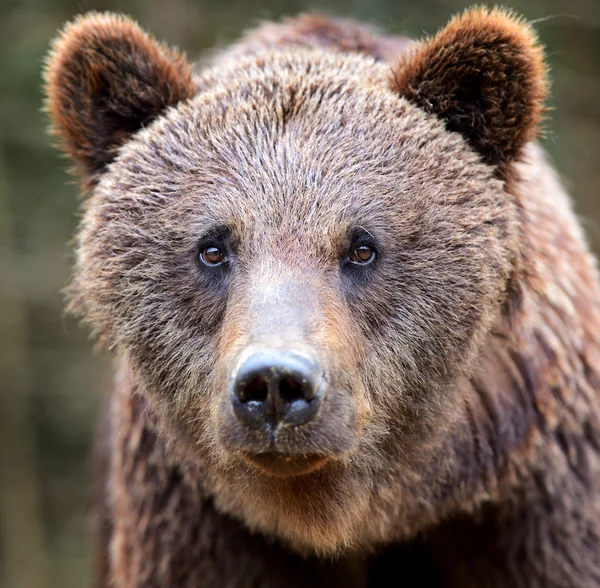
<point x="299" y="255"/>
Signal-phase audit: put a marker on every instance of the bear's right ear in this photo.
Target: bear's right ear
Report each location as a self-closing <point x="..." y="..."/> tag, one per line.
<point x="106" y="78"/>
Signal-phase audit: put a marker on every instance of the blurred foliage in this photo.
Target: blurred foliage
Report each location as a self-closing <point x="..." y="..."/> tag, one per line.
<point x="52" y="383"/>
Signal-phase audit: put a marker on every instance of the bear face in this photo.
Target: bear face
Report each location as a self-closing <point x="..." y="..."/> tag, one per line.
<point x="328" y="208"/>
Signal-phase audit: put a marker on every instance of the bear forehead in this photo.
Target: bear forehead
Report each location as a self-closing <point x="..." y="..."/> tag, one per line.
<point x="291" y="135"/>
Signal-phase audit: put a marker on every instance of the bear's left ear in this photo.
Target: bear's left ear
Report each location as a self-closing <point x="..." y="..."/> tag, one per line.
<point x="484" y="75"/>
<point x="106" y="78"/>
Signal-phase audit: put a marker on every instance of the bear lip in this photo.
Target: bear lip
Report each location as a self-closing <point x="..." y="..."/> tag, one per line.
<point x="283" y="466"/>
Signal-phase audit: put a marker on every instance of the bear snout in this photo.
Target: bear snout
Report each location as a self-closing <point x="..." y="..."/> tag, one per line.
<point x="288" y="391"/>
<point x="283" y="410"/>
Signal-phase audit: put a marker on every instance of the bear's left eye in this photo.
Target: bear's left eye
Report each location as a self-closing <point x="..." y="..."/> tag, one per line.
<point x="362" y="255"/>
<point x="212" y="256"/>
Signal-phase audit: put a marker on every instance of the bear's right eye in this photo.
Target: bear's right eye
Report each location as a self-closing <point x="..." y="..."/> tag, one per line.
<point x="212" y="256"/>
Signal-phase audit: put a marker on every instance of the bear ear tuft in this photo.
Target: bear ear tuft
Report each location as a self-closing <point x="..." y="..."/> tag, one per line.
<point x="484" y="75"/>
<point x="104" y="79"/>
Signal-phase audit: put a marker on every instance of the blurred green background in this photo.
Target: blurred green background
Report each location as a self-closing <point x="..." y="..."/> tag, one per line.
<point x="52" y="381"/>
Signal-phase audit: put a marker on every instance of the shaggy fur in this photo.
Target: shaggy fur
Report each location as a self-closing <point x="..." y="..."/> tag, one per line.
<point x="308" y="31"/>
<point x="459" y="433"/>
<point x="483" y="74"/>
<point x="105" y="79"/>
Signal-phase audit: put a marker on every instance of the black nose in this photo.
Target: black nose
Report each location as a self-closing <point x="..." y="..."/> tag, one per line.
<point x="272" y="386"/>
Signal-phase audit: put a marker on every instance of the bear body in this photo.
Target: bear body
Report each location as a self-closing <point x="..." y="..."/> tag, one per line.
<point x="356" y="323"/>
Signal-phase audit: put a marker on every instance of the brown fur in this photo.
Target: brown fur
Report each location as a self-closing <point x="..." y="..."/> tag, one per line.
<point x="308" y="31"/>
<point x="460" y="429"/>
<point x="105" y="79"/>
<point x="456" y="76"/>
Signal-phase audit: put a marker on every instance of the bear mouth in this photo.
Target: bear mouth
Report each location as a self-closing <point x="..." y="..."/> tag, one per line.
<point x="284" y="466"/>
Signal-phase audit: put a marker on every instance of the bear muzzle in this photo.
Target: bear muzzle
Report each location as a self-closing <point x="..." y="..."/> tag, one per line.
<point x="280" y="413"/>
<point x="274" y="389"/>
<point x="287" y="404"/>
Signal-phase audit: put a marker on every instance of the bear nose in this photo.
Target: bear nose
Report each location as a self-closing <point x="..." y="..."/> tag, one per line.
<point x="271" y="386"/>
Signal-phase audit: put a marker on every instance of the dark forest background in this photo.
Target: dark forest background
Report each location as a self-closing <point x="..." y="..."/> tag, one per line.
<point x="52" y="382"/>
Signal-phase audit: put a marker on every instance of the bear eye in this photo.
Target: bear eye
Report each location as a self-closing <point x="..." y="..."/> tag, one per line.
<point x="362" y="255"/>
<point x="212" y="256"/>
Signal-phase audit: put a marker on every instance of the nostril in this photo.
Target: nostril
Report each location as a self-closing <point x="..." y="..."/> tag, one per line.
<point x="291" y="389"/>
<point x="257" y="389"/>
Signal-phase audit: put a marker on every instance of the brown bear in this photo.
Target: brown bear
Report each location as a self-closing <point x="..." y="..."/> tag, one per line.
<point x="356" y="323"/>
